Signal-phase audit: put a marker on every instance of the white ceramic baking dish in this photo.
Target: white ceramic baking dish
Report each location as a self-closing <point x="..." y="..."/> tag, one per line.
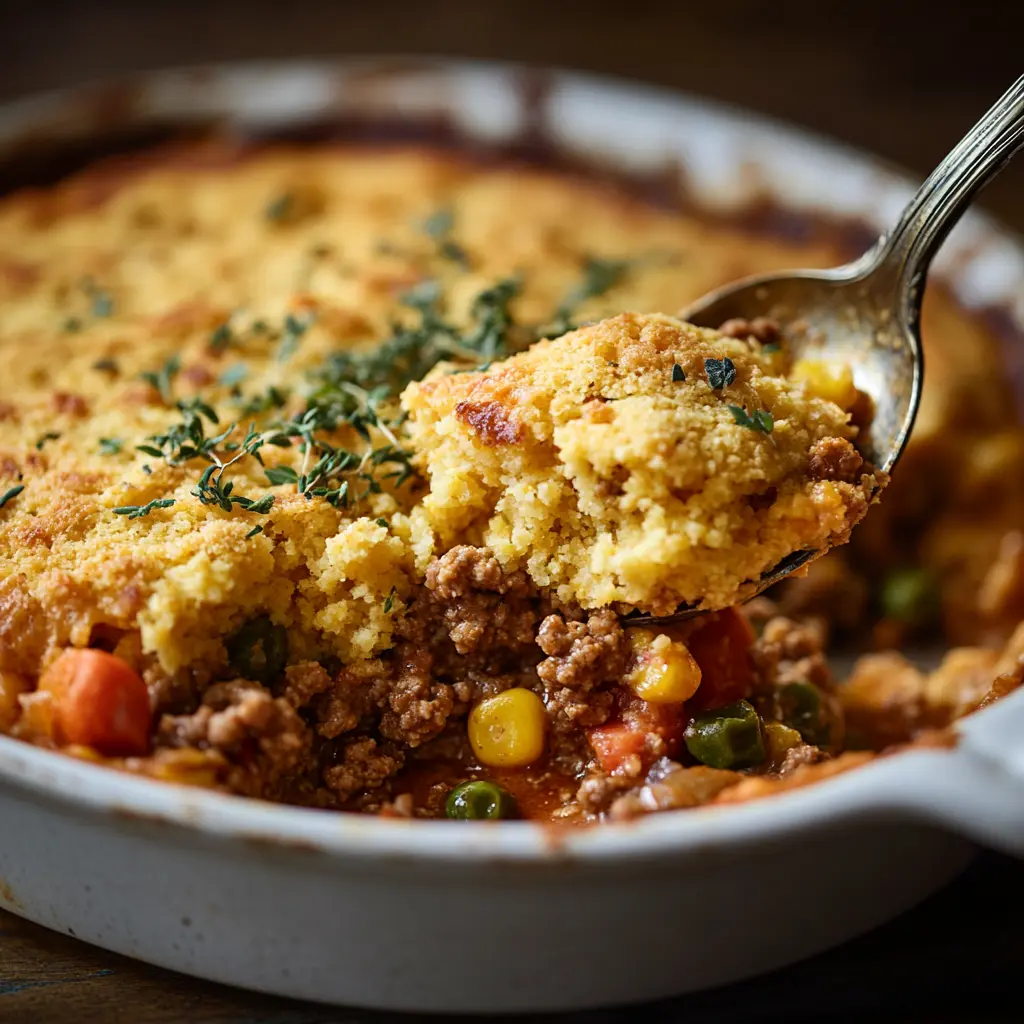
<point x="509" y="916"/>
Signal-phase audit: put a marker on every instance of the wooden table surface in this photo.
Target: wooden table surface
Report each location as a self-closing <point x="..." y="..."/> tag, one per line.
<point x="902" y="79"/>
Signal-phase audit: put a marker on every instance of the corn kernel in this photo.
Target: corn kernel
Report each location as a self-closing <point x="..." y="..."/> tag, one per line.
<point x="665" y="672"/>
<point x="779" y="739"/>
<point x="507" y="730"/>
<point x="827" y="381"/>
<point x="640" y="640"/>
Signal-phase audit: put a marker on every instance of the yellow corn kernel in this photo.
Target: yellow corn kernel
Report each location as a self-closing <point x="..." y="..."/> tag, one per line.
<point x="507" y="730"/>
<point x="665" y="671"/>
<point x="827" y="381"/>
<point x="640" y="640"/>
<point x="779" y="739"/>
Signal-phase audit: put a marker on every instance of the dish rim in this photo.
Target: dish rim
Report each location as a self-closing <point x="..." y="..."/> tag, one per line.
<point x="901" y="785"/>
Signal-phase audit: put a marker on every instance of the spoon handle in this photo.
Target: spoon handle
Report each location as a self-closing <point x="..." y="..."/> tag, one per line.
<point x="903" y="256"/>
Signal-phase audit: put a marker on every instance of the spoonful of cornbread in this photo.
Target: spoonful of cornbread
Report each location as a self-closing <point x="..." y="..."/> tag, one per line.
<point x="667" y="467"/>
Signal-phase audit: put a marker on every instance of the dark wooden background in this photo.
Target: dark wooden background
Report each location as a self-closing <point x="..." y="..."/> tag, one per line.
<point x="904" y="79"/>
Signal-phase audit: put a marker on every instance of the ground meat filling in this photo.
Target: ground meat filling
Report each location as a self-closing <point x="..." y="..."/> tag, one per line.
<point x="260" y="735"/>
<point x="582" y="657"/>
<point x="790" y="652"/>
<point x="481" y="607"/>
<point x="835" y="458"/>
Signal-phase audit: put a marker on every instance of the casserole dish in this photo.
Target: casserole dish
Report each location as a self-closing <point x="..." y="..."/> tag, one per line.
<point x="421" y="916"/>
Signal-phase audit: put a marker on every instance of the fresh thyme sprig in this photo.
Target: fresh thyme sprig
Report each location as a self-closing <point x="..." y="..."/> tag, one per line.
<point x="213" y="489"/>
<point x="138" y="511"/>
<point x="351" y="393"/>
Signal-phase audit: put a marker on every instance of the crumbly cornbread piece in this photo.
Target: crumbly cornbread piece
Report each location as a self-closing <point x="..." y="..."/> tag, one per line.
<point x="609" y="465"/>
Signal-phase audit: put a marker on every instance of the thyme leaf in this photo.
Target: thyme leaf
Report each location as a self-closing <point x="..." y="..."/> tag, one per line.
<point x="111" y="445"/>
<point x="10" y="494"/>
<point x="163" y="379"/>
<point x="138" y="511"/>
<point x="294" y="328"/>
<point x="760" y="421"/>
<point x="721" y="372"/>
<point x="221" y="337"/>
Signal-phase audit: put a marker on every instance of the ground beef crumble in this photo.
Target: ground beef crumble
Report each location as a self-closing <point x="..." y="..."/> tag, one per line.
<point x="835" y="458"/>
<point x="790" y="652"/>
<point x="581" y="658"/>
<point x="482" y="608"/>
<point x="261" y="735"/>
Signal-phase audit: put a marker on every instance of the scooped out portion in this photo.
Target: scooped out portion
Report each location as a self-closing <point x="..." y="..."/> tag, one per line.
<point x="639" y="462"/>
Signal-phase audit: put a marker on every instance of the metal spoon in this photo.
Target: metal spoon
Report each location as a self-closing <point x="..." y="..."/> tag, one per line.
<point x="866" y="314"/>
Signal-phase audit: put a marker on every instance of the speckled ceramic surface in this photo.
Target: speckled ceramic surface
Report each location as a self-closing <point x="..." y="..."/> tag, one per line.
<point x="509" y="916"/>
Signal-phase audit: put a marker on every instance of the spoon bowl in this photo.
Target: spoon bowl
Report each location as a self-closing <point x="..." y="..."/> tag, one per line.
<point x="866" y="314"/>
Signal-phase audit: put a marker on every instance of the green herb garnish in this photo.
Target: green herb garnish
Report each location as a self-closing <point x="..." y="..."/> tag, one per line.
<point x="439" y="227"/>
<point x="294" y="329"/>
<point x="106" y="366"/>
<point x="102" y="303"/>
<point x="279" y="208"/>
<point x="272" y="398"/>
<point x="390" y="602"/>
<point x="677" y="373"/>
<point x="10" y="494"/>
<point x="258" y="528"/>
<point x="138" y="511"/>
<point x="220" y="338"/>
<point x="761" y="421"/>
<point x="278" y="475"/>
<point x="234" y="375"/>
<point x="721" y="372"/>
<point x="163" y="379"/>
<point x="213" y="489"/>
<point x="50" y="435"/>
<point x="72" y="324"/>
<point x="111" y="445"/>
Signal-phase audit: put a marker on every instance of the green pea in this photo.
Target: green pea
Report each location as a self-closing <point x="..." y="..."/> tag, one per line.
<point x="803" y="708"/>
<point x="910" y="596"/>
<point x="478" y="800"/>
<point x="728" y="737"/>
<point x="259" y="650"/>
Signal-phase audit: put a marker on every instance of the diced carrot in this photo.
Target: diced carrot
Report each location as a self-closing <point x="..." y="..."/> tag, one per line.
<point x="667" y="721"/>
<point x="99" y="701"/>
<point x="615" y="745"/>
<point x="721" y="647"/>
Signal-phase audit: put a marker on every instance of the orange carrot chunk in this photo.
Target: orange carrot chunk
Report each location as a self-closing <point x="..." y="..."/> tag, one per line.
<point x="99" y="701"/>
